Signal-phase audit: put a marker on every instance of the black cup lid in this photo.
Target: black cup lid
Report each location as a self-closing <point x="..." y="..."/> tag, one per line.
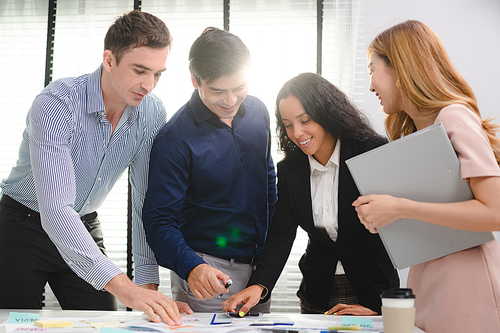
<point x="398" y="293"/>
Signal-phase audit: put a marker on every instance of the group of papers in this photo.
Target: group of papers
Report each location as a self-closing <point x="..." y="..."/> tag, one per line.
<point x="138" y="322"/>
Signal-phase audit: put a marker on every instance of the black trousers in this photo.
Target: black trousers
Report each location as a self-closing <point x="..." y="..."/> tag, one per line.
<point x="29" y="259"/>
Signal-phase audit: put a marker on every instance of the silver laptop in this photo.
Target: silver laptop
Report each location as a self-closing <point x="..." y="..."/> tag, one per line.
<point x="423" y="167"/>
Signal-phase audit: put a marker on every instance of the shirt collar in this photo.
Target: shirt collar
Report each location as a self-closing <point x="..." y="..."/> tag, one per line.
<point x="334" y="160"/>
<point x="95" y="101"/>
<point x="202" y="113"/>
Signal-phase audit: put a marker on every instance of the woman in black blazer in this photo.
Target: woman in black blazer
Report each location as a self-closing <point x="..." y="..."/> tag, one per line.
<point x="345" y="268"/>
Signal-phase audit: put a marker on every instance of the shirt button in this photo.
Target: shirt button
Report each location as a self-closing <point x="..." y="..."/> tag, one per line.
<point x="88" y="202"/>
<point x="99" y="179"/>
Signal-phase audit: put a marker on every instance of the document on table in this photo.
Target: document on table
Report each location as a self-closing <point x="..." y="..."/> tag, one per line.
<point x="138" y="322"/>
<point x="135" y="322"/>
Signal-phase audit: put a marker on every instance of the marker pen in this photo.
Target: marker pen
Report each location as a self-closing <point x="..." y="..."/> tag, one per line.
<point x="227" y="285"/>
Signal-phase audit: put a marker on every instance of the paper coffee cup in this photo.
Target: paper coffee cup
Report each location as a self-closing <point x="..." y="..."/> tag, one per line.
<point x="398" y="298"/>
<point x="398" y="310"/>
<point x="398" y="302"/>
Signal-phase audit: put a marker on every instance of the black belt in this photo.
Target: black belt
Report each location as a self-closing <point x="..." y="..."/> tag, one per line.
<point x="248" y="260"/>
<point x="8" y="201"/>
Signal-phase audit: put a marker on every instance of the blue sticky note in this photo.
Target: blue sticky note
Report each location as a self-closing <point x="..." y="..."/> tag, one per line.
<point x="113" y="330"/>
<point x="23" y="318"/>
<point x="363" y="322"/>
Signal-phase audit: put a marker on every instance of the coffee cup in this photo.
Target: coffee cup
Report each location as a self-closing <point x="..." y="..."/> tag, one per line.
<point x="398" y="310"/>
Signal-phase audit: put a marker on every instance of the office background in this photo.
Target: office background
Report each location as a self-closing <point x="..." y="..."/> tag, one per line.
<point x="285" y="38"/>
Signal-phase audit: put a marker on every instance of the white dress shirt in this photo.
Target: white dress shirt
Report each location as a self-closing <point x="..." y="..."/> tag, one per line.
<point x="324" y="195"/>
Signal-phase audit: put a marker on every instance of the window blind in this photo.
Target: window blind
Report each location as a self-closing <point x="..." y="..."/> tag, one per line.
<point x="23" y="34"/>
<point x="283" y="40"/>
<point x="281" y="37"/>
<point x="78" y="48"/>
<point x="186" y="20"/>
<point x="344" y="55"/>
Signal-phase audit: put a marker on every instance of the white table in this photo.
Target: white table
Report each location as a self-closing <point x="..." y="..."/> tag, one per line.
<point x="57" y="314"/>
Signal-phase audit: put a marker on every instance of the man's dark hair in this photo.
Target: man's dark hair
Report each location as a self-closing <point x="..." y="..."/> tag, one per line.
<point x="217" y="53"/>
<point x="136" y="29"/>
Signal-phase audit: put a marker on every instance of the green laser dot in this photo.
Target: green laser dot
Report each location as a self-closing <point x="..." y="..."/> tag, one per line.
<point x="221" y="241"/>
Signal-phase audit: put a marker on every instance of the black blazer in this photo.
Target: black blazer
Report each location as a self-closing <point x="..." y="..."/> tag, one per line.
<point x="363" y="256"/>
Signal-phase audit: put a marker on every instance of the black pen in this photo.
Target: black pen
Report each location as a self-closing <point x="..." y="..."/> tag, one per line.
<point x="283" y="330"/>
<point x="227" y="285"/>
<point x="242" y="314"/>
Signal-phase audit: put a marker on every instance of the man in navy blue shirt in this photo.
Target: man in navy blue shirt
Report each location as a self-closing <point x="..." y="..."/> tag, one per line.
<point x="212" y="187"/>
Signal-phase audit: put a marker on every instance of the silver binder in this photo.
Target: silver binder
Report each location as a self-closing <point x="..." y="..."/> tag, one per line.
<point x="423" y="167"/>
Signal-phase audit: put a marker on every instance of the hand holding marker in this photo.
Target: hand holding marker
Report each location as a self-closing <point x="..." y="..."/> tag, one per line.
<point x="227" y="285"/>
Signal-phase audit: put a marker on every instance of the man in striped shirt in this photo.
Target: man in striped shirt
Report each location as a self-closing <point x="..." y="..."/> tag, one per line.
<point x="81" y="134"/>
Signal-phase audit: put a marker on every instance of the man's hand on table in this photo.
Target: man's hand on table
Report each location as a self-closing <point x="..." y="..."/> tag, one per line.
<point x="148" y="299"/>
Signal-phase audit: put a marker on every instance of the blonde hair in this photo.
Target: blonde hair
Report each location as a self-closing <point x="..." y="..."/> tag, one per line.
<point x="426" y="76"/>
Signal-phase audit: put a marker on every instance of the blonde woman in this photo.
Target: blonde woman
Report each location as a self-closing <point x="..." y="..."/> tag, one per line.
<point x="417" y="86"/>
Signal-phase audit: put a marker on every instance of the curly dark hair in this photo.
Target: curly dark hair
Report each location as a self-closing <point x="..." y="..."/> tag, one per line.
<point x="327" y="105"/>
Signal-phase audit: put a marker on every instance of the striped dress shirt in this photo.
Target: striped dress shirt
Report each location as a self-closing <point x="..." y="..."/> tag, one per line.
<point x="68" y="163"/>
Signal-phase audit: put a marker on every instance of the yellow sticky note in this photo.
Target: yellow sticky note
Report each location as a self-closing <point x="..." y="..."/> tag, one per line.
<point x="356" y="327"/>
<point x="53" y="323"/>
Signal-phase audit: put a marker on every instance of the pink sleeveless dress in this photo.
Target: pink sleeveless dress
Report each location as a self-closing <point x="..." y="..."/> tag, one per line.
<point x="460" y="293"/>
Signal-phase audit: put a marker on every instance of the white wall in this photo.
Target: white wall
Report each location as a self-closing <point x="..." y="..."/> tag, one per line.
<point x="469" y="30"/>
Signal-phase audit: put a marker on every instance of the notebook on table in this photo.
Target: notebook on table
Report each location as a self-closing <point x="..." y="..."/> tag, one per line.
<point x="423" y="167"/>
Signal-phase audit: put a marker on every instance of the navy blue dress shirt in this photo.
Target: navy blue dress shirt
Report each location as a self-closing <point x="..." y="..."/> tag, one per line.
<point x="211" y="187"/>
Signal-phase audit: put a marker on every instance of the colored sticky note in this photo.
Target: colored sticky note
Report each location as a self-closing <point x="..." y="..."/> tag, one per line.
<point x="53" y="323"/>
<point x="23" y="318"/>
<point x="113" y="330"/>
<point x="363" y="322"/>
